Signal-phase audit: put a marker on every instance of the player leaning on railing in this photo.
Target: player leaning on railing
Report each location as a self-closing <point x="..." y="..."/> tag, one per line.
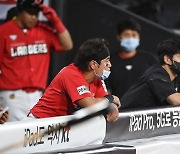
<point x="80" y="84"/>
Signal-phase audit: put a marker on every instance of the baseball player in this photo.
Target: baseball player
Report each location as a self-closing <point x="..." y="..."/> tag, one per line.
<point x="25" y="46"/>
<point x="79" y="84"/>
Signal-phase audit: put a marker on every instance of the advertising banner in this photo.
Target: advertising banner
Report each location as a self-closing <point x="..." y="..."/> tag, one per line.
<point x="19" y="135"/>
<point x="144" y="124"/>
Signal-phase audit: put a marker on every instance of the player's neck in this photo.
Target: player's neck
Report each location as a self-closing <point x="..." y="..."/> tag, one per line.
<point x="89" y="76"/>
<point x="19" y="23"/>
<point x="172" y="75"/>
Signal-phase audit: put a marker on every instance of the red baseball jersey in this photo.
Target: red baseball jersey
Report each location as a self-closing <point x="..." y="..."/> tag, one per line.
<point x="25" y="55"/>
<point x="66" y="88"/>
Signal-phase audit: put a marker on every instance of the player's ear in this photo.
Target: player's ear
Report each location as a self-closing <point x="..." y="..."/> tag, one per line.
<point x="118" y="37"/>
<point x="167" y="60"/>
<point x="92" y="64"/>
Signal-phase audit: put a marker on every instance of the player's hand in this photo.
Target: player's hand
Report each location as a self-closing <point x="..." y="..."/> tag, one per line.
<point x="113" y="115"/>
<point x="3" y="117"/>
<point x="50" y="13"/>
<point x="116" y="101"/>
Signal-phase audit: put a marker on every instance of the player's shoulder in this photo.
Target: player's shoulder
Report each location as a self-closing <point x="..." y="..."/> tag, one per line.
<point x="70" y="70"/>
<point x="156" y="72"/>
<point x="6" y="27"/>
<point x="6" y="24"/>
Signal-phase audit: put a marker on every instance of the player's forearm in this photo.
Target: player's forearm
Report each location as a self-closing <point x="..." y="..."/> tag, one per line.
<point x="88" y="101"/>
<point x="174" y="99"/>
<point x="62" y="32"/>
<point x="65" y="40"/>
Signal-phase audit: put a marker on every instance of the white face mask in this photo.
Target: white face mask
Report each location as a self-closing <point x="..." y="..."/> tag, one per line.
<point x="129" y="44"/>
<point x="104" y="75"/>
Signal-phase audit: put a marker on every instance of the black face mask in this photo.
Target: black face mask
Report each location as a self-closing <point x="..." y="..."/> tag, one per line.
<point x="175" y="67"/>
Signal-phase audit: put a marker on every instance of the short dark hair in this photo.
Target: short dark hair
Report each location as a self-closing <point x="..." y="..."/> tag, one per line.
<point x="93" y="49"/>
<point x="168" y="47"/>
<point x="128" y="24"/>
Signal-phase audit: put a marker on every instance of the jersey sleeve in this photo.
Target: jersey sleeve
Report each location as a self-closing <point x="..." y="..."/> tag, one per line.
<point x="161" y="86"/>
<point x="75" y="86"/>
<point x="55" y="45"/>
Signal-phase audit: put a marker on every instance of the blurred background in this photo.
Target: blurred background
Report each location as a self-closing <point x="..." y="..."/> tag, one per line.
<point x="85" y="19"/>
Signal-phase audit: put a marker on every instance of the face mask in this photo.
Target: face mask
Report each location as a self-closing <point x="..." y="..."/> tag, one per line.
<point x="129" y="44"/>
<point x="104" y="75"/>
<point x="175" y="67"/>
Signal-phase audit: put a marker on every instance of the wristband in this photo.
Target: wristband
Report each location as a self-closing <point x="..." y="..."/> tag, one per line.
<point x="110" y="98"/>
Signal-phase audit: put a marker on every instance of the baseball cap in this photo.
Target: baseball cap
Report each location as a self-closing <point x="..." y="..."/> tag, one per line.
<point x="29" y="5"/>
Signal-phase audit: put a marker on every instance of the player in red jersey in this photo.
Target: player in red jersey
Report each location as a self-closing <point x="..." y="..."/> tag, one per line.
<point x="25" y="46"/>
<point x="79" y="84"/>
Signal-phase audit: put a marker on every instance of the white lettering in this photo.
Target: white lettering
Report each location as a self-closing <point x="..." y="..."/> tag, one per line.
<point x="13" y="53"/>
<point x="141" y="122"/>
<point x="82" y="90"/>
<point x="29" y="50"/>
<point x="163" y="119"/>
<point x="36" y="49"/>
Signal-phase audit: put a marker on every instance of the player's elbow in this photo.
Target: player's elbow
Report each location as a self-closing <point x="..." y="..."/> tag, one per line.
<point x="174" y="99"/>
<point x="68" y="47"/>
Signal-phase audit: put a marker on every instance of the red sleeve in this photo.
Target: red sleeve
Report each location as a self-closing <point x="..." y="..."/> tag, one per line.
<point x="76" y="86"/>
<point x="55" y="45"/>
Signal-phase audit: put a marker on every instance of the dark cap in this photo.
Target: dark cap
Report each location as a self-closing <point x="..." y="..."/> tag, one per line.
<point x="29" y="4"/>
